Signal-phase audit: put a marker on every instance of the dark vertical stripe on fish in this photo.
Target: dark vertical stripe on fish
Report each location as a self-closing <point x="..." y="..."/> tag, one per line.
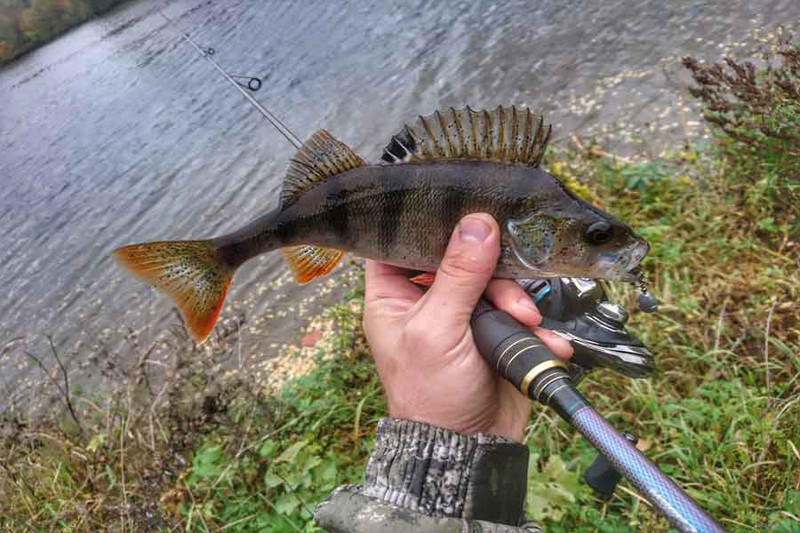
<point x="340" y="215"/>
<point x="520" y="186"/>
<point x="452" y="208"/>
<point x="394" y="202"/>
<point x="287" y="231"/>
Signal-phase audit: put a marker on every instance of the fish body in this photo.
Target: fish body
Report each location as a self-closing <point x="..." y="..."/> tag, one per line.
<point x="403" y="212"/>
<point x="404" y="215"/>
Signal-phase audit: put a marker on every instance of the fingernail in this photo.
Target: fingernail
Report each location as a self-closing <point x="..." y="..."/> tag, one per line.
<point x="473" y="229"/>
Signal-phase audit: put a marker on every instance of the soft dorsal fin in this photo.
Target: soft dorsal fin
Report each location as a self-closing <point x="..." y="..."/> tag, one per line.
<point x="506" y="135"/>
<point x="321" y="156"/>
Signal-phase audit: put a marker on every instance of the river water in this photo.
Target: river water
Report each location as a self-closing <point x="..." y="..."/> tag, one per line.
<point x="118" y="132"/>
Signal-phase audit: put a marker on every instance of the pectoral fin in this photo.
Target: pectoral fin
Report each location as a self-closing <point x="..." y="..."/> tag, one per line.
<point x="425" y="279"/>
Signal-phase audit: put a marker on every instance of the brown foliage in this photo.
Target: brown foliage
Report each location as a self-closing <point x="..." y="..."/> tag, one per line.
<point x="742" y="97"/>
<point x="757" y="110"/>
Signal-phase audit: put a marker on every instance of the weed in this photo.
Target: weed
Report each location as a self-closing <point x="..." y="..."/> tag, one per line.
<point x="757" y="114"/>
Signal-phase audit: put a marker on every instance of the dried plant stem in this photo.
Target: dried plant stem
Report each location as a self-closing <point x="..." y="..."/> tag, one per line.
<point x="63" y="390"/>
<point x="766" y="343"/>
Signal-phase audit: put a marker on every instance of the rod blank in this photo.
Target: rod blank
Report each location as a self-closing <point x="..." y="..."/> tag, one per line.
<point x="280" y="126"/>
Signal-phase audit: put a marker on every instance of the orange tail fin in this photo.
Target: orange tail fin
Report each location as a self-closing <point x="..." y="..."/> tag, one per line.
<point x="191" y="272"/>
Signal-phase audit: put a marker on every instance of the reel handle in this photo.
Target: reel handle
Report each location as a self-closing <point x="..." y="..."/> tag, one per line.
<point x="511" y="349"/>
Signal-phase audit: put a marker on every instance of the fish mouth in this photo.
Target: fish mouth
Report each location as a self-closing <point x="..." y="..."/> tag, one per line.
<point x="612" y="270"/>
<point x="624" y="266"/>
<point x="632" y="275"/>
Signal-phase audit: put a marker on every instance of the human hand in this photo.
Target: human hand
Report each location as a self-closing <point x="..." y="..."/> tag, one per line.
<point x="422" y="342"/>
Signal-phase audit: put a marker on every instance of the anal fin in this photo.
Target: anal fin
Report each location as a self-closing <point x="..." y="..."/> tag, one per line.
<point x="309" y="262"/>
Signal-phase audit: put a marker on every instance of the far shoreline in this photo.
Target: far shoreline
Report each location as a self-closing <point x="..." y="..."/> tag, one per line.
<point x="36" y="44"/>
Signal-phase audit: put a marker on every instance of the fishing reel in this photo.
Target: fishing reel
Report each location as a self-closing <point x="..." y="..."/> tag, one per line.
<point x="578" y="310"/>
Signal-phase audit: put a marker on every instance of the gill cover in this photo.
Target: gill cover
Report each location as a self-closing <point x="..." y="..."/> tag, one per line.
<point x="532" y="240"/>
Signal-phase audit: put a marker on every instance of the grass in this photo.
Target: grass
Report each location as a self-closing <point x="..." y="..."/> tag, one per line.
<point x="721" y="416"/>
<point x="203" y="450"/>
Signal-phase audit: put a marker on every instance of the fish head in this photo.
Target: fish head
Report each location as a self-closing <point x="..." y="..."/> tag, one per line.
<point x="568" y="237"/>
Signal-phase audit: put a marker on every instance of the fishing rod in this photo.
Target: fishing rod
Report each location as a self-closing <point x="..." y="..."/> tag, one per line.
<point x="521" y="358"/>
<point x="207" y="53"/>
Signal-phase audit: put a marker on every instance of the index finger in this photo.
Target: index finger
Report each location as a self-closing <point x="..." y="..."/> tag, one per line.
<point x="389" y="282"/>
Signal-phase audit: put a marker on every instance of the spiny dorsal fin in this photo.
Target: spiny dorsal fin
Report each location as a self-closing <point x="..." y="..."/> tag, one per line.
<point x="504" y="135"/>
<point x="321" y="156"/>
<point x="309" y="262"/>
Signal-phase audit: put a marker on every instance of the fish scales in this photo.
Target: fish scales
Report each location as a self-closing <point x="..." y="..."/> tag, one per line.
<point x="403" y="212"/>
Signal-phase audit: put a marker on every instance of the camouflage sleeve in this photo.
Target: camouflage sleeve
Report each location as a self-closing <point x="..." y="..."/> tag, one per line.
<point x="428" y="479"/>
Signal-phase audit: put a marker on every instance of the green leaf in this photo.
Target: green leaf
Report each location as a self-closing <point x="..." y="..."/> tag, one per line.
<point x="791" y="503"/>
<point x="271" y="479"/>
<point x="309" y="463"/>
<point x="551" y="492"/>
<point x="541" y="507"/>
<point x="291" y="452"/>
<point x="286" y="503"/>
<point x="209" y="454"/>
<point x="556" y="470"/>
<point x="206" y="470"/>
<point x="97" y="441"/>
<point x="767" y="224"/>
<point x="293" y="479"/>
<point x="205" y="462"/>
<point x="278" y="523"/>
<point x="111" y="478"/>
<point x="326" y="472"/>
<point x="784" y="526"/>
<point x="267" y="448"/>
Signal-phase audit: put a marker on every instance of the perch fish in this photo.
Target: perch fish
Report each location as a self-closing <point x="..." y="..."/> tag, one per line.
<point x="403" y="210"/>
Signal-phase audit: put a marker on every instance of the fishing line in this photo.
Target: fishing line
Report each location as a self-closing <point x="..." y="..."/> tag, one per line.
<point x="253" y="84"/>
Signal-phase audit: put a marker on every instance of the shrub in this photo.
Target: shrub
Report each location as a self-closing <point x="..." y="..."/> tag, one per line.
<point x="756" y="113"/>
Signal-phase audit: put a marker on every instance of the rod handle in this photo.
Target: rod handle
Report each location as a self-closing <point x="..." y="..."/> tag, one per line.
<point x="511" y="349"/>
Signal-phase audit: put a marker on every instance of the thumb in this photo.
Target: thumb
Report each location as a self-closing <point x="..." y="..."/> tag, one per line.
<point x="465" y="270"/>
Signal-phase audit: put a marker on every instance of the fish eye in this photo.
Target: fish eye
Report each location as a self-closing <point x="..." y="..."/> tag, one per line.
<point x="599" y="233"/>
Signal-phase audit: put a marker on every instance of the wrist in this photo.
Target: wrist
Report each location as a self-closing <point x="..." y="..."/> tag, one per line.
<point x="508" y="428"/>
<point x="507" y="417"/>
<point x="441" y="472"/>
